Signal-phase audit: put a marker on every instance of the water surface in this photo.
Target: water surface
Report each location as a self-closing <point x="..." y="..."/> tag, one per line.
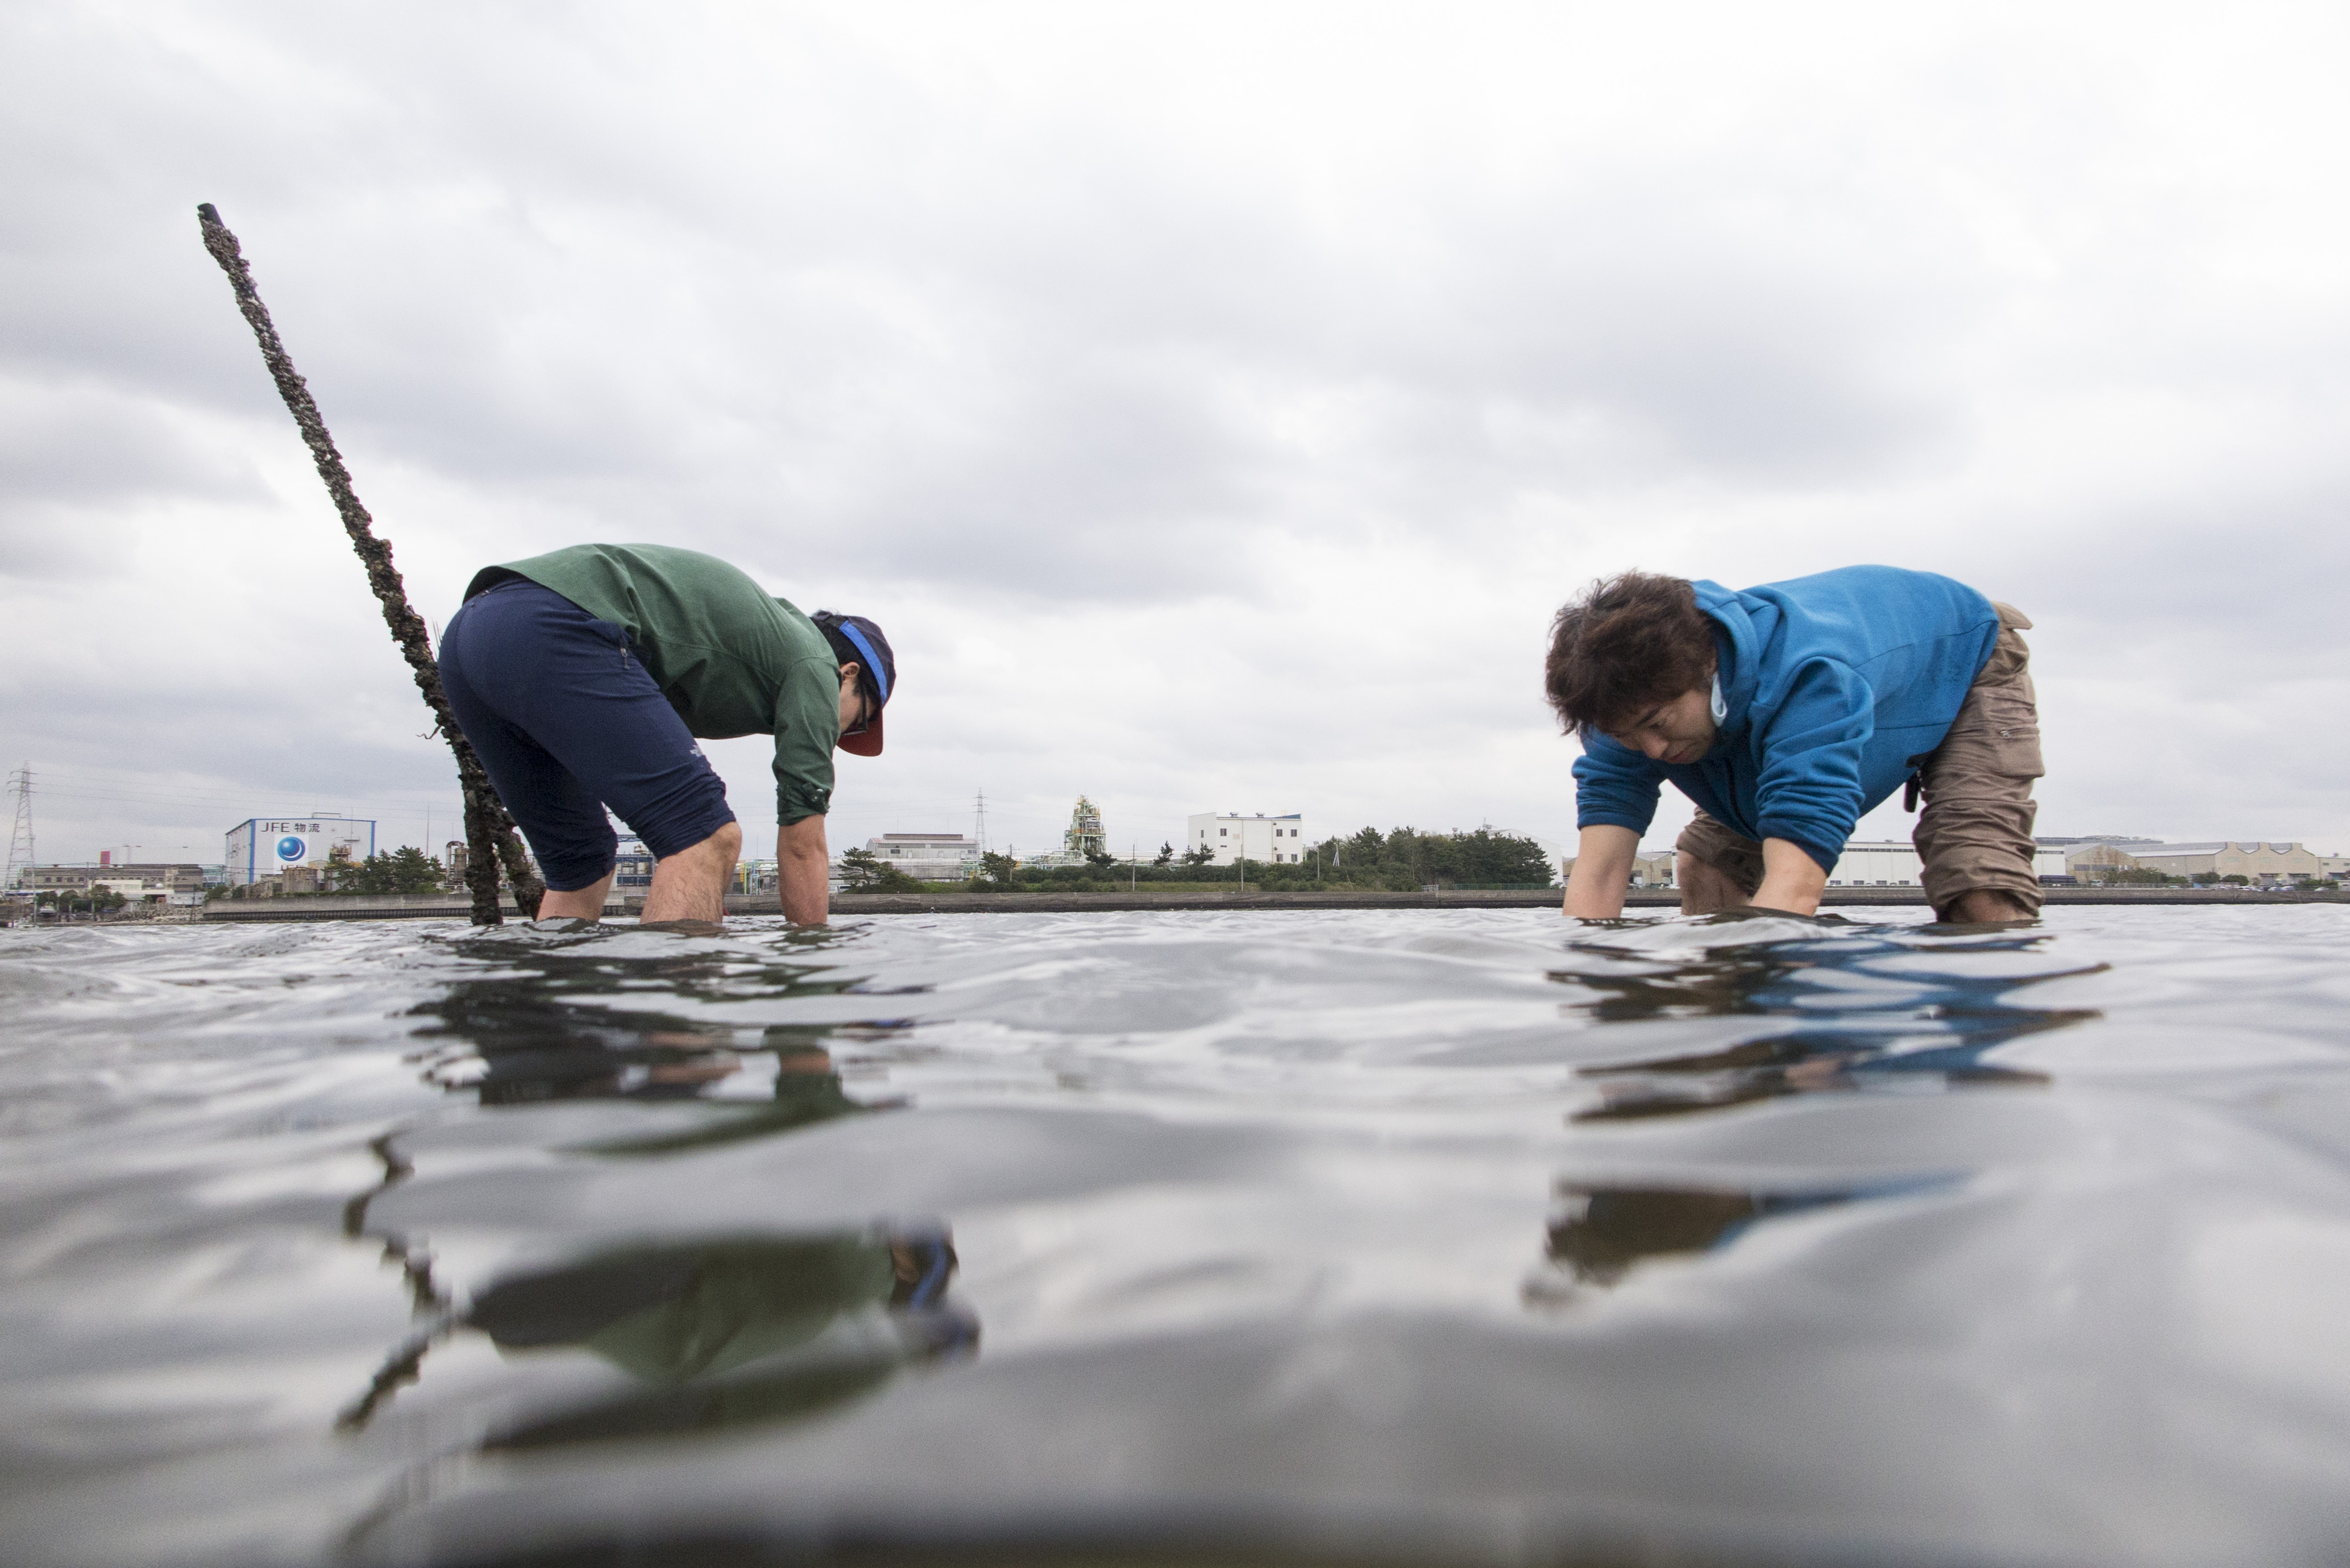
<point x="1458" y="1235"/>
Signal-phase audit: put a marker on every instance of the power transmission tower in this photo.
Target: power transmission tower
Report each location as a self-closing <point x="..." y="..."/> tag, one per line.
<point x="20" y="841"/>
<point x="980" y="832"/>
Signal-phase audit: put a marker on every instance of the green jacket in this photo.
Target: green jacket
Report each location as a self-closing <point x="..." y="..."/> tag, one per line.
<point x="731" y="659"/>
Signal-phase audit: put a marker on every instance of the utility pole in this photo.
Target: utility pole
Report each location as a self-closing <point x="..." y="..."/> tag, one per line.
<point x="20" y="841"/>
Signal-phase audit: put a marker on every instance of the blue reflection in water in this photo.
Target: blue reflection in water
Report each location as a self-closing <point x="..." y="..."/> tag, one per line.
<point x="1916" y="1028"/>
<point x="1830" y="1020"/>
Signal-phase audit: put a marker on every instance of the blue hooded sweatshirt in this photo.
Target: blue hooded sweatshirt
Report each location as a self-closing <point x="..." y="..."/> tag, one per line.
<point x="1836" y="688"/>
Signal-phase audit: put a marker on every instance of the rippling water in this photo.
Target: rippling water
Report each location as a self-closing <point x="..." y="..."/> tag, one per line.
<point x="1456" y="1235"/>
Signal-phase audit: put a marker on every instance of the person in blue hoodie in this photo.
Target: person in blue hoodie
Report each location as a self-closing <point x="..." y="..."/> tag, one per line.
<point x="1786" y="713"/>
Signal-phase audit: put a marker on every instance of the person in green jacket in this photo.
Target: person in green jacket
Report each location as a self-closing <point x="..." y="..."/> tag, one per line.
<point x="583" y="679"/>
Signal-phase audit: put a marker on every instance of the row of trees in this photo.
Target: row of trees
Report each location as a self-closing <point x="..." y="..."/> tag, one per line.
<point x="406" y="869"/>
<point x="1482" y="858"/>
<point x="70" y="901"/>
<point x="1403" y="859"/>
<point x="2145" y="876"/>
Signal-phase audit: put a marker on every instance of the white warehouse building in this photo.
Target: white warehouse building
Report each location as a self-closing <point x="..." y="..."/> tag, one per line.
<point x="1893" y="863"/>
<point x="1231" y="836"/>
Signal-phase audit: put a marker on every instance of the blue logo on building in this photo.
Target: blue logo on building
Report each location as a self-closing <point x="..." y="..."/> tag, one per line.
<point x="290" y="848"/>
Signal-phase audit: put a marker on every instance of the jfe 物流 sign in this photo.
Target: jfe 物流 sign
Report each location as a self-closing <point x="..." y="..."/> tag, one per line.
<point x="265" y="846"/>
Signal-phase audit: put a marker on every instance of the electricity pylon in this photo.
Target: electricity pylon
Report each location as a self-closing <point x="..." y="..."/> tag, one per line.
<point x="20" y="841"/>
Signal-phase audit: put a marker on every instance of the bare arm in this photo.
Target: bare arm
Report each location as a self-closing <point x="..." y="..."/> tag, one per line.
<point x="1792" y="879"/>
<point x="1603" y="865"/>
<point x="803" y="871"/>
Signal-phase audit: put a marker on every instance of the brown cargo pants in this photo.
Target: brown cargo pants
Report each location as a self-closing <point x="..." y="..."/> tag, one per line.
<point x="1976" y="831"/>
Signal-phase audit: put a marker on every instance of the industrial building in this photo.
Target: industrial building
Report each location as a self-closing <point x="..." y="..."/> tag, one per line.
<point x="263" y="846"/>
<point x="2257" y="861"/>
<point x="132" y="880"/>
<point x="2253" y="860"/>
<point x="1893" y="863"/>
<point x="1082" y="839"/>
<point x="139" y="881"/>
<point x="1231" y="836"/>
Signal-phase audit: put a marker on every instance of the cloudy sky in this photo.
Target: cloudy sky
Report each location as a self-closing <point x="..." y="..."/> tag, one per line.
<point x="1212" y="401"/>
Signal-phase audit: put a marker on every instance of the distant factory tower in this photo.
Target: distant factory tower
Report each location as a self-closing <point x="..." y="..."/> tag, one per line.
<point x="1084" y="835"/>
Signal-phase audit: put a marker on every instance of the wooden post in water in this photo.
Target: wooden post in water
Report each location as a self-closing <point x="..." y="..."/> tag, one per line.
<point x="489" y="836"/>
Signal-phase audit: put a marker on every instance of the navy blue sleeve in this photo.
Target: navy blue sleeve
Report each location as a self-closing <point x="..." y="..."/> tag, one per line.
<point x="1810" y="790"/>
<point x="1614" y="786"/>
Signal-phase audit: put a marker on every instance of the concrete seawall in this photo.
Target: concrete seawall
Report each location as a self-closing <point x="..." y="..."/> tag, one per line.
<point x="1470" y="898"/>
<point x="357" y="907"/>
<point x="455" y="905"/>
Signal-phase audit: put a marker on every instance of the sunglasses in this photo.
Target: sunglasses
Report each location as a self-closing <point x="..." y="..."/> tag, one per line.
<point x="865" y="710"/>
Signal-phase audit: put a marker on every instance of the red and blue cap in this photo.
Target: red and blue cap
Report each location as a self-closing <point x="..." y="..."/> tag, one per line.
<point x="855" y="639"/>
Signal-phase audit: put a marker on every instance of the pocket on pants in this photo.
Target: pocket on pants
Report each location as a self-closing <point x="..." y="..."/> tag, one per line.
<point x="1992" y="749"/>
<point x="617" y="635"/>
<point x="2007" y="741"/>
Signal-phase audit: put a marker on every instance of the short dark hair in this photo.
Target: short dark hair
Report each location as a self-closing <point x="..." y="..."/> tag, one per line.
<point x="877" y="684"/>
<point x="1630" y="643"/>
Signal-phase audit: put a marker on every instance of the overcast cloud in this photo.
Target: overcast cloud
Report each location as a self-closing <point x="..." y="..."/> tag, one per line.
<point x="1212" y="401"/>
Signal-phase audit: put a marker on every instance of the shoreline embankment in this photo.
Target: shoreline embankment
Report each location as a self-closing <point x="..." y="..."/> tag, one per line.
<point x="454" y="906"/>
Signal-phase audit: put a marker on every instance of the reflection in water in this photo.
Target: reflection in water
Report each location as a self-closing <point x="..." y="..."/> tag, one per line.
<point x="710" y="1336"/>
<point x="1598" y="1234"/>
<point x="415" y="1264"/>
<point x="729" y="1333"/>
<point x="1253" y="1296"/>
<point x="745" y="1329"/>
<point x="1849" y="1009"/>
<point x="545" y="1029"/>
<point x="759" y="1327"/>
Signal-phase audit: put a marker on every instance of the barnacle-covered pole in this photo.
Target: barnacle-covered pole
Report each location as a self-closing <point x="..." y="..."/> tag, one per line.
<point x="489" y="836"/>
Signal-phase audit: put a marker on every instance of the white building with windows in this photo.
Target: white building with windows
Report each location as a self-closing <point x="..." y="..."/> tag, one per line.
<point x="928" y="856"/>
<point x="1231" y="836"/>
